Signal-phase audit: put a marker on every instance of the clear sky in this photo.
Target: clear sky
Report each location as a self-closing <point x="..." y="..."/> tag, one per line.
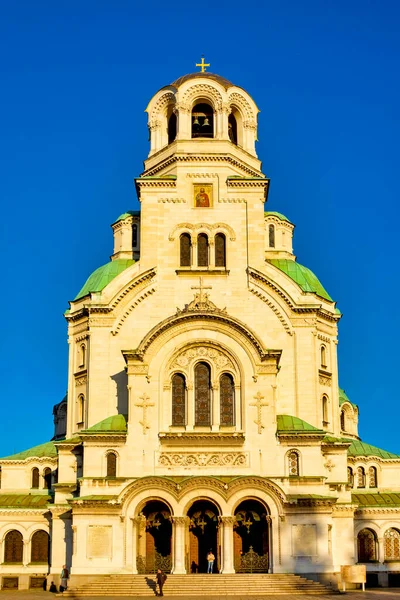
<point x="76" y="77"/>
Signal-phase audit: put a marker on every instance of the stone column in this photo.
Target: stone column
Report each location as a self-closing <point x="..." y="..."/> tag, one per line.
<point x="381" y="550"/>
<point x="227" y="544"/>
<point x="58" y="536"/>
<point x="190" y="406"/>
<point x="178" y="567"/>
<point x="25" y="553"/>
<point x="136" y="521"/>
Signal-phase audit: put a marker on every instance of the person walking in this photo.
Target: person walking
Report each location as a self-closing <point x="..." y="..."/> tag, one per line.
<point x="64" y="578"/>
<point x="210" y="561"/>
<point x="161" y="579"/>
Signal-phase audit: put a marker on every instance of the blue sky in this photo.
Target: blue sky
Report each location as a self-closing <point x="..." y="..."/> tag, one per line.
<point x="76" y="77"/>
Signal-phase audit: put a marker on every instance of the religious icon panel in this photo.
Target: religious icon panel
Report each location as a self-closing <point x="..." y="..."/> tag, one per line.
<point x="203" y="197"/>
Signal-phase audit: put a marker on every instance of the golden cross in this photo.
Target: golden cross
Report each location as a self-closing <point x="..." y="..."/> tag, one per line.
<point x="201" y="287"/>
<point x="144" y="405"/>
<point x="259" y="406"/>
<point x="203" y="65"/>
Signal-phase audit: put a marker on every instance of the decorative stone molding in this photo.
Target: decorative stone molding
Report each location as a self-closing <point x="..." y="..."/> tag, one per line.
<point x="325" y="380"/>
<point x="324" y="338"/>
<point x="155" y="183"/>
<point x="137" y="284"/>
<point x="134" y="304"/>
<point x="286" y="324"/>
<point x="202" y="175"/>
<point x="242" y="104"/>
<point x="183" y="521"/>
<point x="202" y="90"/>
<point x="203" y="459"/>
<point x="144" y="405"/>
<point x="202" y="227"/>
<point x="212" y="158"/>
<point x="227" y="521"/>
<point x="195" y="438"/>
<point x="259" y="406"/>
<point x="329" y="465"/>
<point x="82" y="338"/>
<point x="232" y="200"/>
<point x="161" y="104"/>
<point x="172" y="200"/>
<point x="80" y="380"/>
<point x="186" y="358"/>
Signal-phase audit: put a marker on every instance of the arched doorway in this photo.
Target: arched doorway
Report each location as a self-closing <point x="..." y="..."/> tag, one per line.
<point x="154" y="538"/>
<point x="251" y="538"/>
<point x="203" y="536"/>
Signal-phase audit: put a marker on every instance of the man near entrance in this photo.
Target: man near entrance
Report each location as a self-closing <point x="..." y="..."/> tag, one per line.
<point x="161" y="577"/>
<point x="210" y="561"/>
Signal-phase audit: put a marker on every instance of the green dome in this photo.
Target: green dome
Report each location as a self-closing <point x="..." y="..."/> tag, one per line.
<point x="304" y="278"/>
<point x="129" y="213"/>
<point x="47" y="450"/>
<point x="359" y="448"/>
<point x="271" y="213"/>
<point x="109" y="425"/>
<point x="343" y="397"/>
<point x="102" y="276"/>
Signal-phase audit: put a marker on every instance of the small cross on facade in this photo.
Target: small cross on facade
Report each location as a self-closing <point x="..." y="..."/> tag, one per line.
<point x="259" y="405"/>
<point x="145" y="404"/>
<point x="202" y="296"/>
<point x="202" y="65"/>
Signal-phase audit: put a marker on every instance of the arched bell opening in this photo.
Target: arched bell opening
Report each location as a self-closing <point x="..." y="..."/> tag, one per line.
<point x="235" y="127"/>
<point x="251" y="537"/>
<point x="172" y="127"/>
<point x="203" y="536"/>
<point x="154" y="538"/>
<point x="232" y="129"/>
<point x="202" y="121"/>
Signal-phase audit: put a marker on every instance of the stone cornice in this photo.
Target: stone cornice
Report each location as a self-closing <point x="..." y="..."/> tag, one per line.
<point x="104" y="437"/>
<point x="201" y="158"/>
<point x="361" y="511"/>
<point x="31" y="459"/>
<point x="189" y="438"/>
<point x="23" y="511"/>
<point x="372" y="459"/>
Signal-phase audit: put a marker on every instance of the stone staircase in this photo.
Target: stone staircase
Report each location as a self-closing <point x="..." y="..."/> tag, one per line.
<point x="199" y="585"/>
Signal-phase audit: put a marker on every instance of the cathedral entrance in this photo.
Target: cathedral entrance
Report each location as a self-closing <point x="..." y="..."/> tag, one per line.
<point x="251" y="538"/>
<point x="203" y="536"/>
<point x="154" y="543"/>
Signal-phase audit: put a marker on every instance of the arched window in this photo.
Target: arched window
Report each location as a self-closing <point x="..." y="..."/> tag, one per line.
<point x="220" y="250"/>
<point x="342" y="421"/>
<point x="202" y="394"/>
<point x="134" y="235"/>
<point x="82" y="361"/>
<point x="325" y="419"/>
<point x="81" y="409"/>
<point x="111" y="464"/>
<point x="202" y="250"/>
<point x="350" y="476"/>
<point x="232" y="129"/>
<point x="293" y="463"/>
<point x="178" y="400"/>
<point x="360" y="477"/>
<point x="323" y="357"/>
<point x="202" y="121"/>
<point x="185" y="246"/>
<point x="13" y="547"/>
<point x="372" y="477"/>
<point x="40" y="547"/>
<point x="271" y="236"/>
<point x="171" y="128"/>
<point x="35" y="478"/>
<point x="366" y="542"/>
<point x="47" y="478"/>
<point x="227" y="399"/>
<point x="392" y="544"/>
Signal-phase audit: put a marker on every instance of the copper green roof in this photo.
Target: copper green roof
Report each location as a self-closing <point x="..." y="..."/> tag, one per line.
<point x="294" y="424"/>
<point x="116" y="423"/>
<point x="24" y="500"/>
<point x="47" y="450"/>
<point x="343" y="397"/>
<point x="271" y="213"/>
<point x="304" y="278"/>
<point x="390" y="499"/>
<point x="358" y="448"/>
<point x="129" y="213"/>
<point x="99" y="498"/>
<point x="102" y="276"/>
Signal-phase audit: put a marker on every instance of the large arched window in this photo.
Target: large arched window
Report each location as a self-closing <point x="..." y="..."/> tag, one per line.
<point x="13" y="547"/>
<point x="111" y="464"/>
<point x="47" y="478"/>
<point x="360" y="477"/>
<point x="185" y="247"/>
<point x="172" y="128"/>
<point x="202" y="394"/>
<point x="372" y="477"/>
<point x="271" y="236"/>
<point x="202" y="121"/>
<point x="227" y="399"/>
<point x="35" y="478"/>
<point x="293" y="463"/>
<point x="202" y="250"/>
<point x="392" y="544"/>
<point x="178" y="400"/>
<point x="366" y="542"/>
<point x="40" y="547"/>
<point x="220" y="250"/>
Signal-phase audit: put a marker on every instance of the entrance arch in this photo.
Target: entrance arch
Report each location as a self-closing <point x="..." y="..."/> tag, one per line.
<point x="203" y="535"/>
<point x="154" y="538"/>
<point x="251" y="537"/>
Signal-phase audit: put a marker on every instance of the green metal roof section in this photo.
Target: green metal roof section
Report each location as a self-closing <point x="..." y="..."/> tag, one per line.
<point x="114" y="424"/>
<point x="94" y="497"/>
<point x="47" y="450"/>
<point x="129" y="213"/>
<point x="24" y="500"/>
<point x="288" y="423"/>
<point x="343" y="397"/>
<point x="271" y="213"/>
<point x="358" y="448"/>
<point x="390" y="499"/>
<point x="102" y="276"/>
<point x="304" y="278"/>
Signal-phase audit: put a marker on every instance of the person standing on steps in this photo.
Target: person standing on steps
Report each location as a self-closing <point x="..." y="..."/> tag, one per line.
<point x="64" y="578"/>
<point x="161" y="579"/>
<point x="210" y="561"/>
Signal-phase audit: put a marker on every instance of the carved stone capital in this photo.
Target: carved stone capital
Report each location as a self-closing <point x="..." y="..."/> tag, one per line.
<point x="182" y="521"/>
<point x="227" y="521"/>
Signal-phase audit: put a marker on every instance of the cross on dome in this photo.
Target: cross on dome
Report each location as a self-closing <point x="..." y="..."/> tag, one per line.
<point x="202" y="65"/>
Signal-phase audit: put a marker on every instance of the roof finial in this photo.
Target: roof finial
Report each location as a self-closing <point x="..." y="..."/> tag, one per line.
<point x="203" y="65"/>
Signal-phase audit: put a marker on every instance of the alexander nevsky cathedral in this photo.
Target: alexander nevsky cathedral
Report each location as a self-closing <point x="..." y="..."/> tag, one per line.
<point x="203" y="407"/>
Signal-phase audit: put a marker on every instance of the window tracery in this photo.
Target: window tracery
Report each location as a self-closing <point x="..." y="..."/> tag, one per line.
<point x="178" y="400"/>
<point x="202" y="391"/>
<point x="202" y="250"/>
<point x="13" y="547"/>
<point x="366" y="542"/>
<point x="360" y="477"/>
<point x="227" y="399"/>
<point x="372" y="477"/>
<point x="220" y="250"/>
<point x="40" y="547"/>
<point x="350" y="476"/>
<point x="293" y="463"/>
<point x="392" y="544"/>
<point x="185" y="246"/>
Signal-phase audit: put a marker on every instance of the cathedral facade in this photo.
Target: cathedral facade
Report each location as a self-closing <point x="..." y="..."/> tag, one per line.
<point x="203" y="407"/>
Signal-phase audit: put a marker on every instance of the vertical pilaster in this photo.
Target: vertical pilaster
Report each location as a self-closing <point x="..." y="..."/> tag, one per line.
<point x="227" y="544"/>
<point x="179" y="523"/>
